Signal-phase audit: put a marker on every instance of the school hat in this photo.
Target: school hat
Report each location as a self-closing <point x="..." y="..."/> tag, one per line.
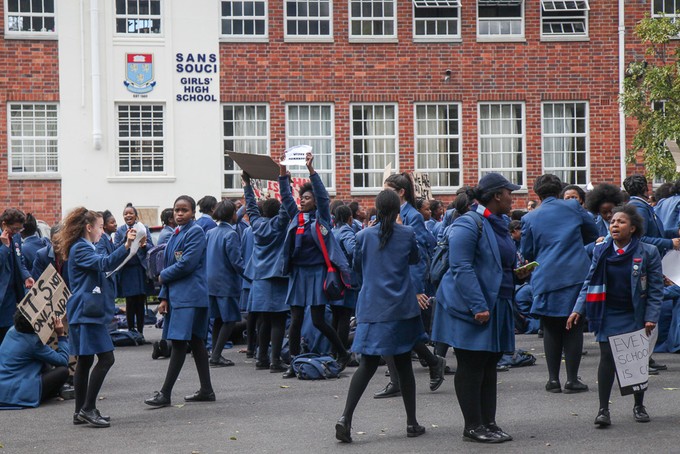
<point x="494" y="182"/>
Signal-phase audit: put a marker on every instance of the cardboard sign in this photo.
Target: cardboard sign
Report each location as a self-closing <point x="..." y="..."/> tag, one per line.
<point x="297" y="155"/>
<point x="670" y="265"/>
<point x="421" y="182"/>
<point x="45" y="301"/>
<point x="257" y="166"/>
<point x="270" y="189"/>
<point x="631" y="355"/>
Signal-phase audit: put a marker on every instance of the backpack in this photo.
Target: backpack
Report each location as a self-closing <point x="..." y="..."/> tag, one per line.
<point x="155" y="261"/>
<point x="125" y="338"/>
<point x="439" y="264"/>
<point x="312" y="366"/>
<point x="518" y="358"/>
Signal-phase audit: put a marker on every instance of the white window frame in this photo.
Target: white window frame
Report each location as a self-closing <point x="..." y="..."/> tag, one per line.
<point x="395" y="163"/>
<point x="674" y="15"/>
<point x="308" y="38"/>
<point x="563" y="6"/>
<point x="139" y="17"/>
<point x="240" y="38"/>
<point x="47" y="174"/>
<point x="500" y="37"/>
<point x="585" y="135"/>
<point x="330" y="185"/>
<point x="523" y="136"/>
<point x="372" y="38"/>
<point x="237" y="170"/>
<point x="459" y="151"/>
<point x="457" y="37"/>
<point x="20" y="34"/>
<point x="163" y="139"/>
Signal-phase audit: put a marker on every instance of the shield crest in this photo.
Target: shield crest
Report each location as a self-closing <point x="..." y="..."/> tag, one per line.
<point x="139" y="76"/>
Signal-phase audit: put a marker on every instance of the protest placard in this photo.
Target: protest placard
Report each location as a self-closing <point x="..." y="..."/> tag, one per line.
<point x="670" y="265"/>
<point x="270" y="190"/>
<point x="45" y="301"/>
<point x="257" y="166"/>
<point x="421" y="182"/>
<point x="631" y="355"/>
<point x="297" y="155"/>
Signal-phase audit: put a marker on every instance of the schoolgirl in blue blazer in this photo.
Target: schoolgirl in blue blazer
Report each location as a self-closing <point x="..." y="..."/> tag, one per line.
<point x="14" y="277"/>
<point x="184" y="300"/>
<point x="168" y="221"/>
<point x="225" y="271"/>
<point x="91" y="306"/>
<point x="388" y="316"/>
<point x="344" y="309"/>
<point x="31" y="241"/>
<point x="206" y="205"/>
<point x="303" y="259"/>
<point x="269" y="288"/>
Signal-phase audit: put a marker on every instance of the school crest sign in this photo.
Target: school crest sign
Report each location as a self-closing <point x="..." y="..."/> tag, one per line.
<point x="139" y="74"/>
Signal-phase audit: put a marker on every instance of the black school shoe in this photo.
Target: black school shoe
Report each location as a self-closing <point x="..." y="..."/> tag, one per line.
<point x="221" y="362"/>
<point x="158" y="400"/>
<point x="640" y="414"/>
<point x="437" y="374"/>
<point x="289" y="373"/>
<point x="156" y="351"/>
<point x="93" y="418"/>
<point x="603" y="418"/>
<point x="503" y="435"/>
<point x="414" y="431"/>
<point x="200" y="396"/>
<point x="553" y="386"/>
<point x="343" y="431"/>
<point x="391" y="390"/>
<point x="481" y="434"/>
<point x="577" y="386"/>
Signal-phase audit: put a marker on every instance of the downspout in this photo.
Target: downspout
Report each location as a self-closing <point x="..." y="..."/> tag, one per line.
<point x="96" y="76"/>
<point x="622" y="74"/>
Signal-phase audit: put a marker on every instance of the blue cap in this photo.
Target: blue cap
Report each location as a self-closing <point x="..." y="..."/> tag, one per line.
<point x="494" y="182"/>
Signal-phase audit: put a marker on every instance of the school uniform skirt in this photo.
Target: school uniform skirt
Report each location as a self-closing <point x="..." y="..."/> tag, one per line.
<point x="185" y="322"/>
<point x="349" y="301"/>
<point x="225" y="307"/>
<point x="89" y="339"/>
<point x="615" y="322"/>
<point x="243" y="299"/>
<point x="131" y="280"/>
<point x="305" y="286"/>
<point x="388" y="338"/>
<point x="269" y="295"/>
<point x="559" y="303"/>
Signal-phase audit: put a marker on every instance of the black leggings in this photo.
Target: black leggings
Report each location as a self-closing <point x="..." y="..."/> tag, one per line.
<point x="87" y="385"/>
<point x="475" y="384"/>
<point x="606" y="372"/>
<point x="177" y="357"/>
<point x="52" y="382"/>
<point x="319" y="321"/>
<point x="134" y="311"/>
<point x="220" y="335"/>
<point x="272" y="329"/>
<point x="367" y="367"/>
<point x="341" y="317"/>
<point x="556" y="339"/>
<point x="423" y="353"/>
<point x="252" y="320"/>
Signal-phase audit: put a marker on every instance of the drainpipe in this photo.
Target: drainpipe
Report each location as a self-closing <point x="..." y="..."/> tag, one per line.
<point x="96" y="76"/>
<point x="622" y="74"/>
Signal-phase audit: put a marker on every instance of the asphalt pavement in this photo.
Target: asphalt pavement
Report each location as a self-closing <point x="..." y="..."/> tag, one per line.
<point x="259" y="412"/>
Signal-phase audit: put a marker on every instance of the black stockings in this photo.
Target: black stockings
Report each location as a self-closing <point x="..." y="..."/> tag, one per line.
<point x="87" y="385"/>
<point x="475" y="384"/>
<point x="134" y="311"/>
<point x="556" y="338"/>
<point x="52" y="382"/>
<point x="177" y="357"/>
<point x="272" y="329"/>
<point x="606" y="371"/>
<point x="341" y="317"/>
<point x="220" y="335"/>
<point x="319" y="321"/>
<point x="252" y="320"/>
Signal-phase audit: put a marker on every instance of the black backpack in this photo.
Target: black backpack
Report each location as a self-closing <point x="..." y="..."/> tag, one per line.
<point x="440" y="257"/>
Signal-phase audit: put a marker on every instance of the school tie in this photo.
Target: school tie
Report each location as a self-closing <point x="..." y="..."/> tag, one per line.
<point x="176" y="230"/>
<point x="620" y="251"/>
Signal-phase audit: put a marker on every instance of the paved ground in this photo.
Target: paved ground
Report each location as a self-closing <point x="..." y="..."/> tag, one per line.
<point x="258" y="412"/>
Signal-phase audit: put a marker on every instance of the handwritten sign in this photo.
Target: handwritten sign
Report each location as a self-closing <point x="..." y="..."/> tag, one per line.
<point x="270" y="189"/>
<point x="297" y="155"/>
<point x="45" y="301"/>
<point x="421" y="183"/>
<point x="631" y="355"/>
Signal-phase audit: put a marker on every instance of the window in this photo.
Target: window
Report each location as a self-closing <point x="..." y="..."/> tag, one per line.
<point x="140" y="138"/>
<point x="500" y="18"/>
<point x="501" y="140"/>
<point x="312" y="124"/>
<point x="373" y="18"/>
<point x="30" y="17"/>
<point x="245" y="130"/>
<point x="565" y="141"/>
<point x="244" y="19"/>
<point x="437" y="139"/>
<point x="33" y="138"/>
<point x="436" y="20"/>
<point x="374" y="144"/>
<point x="308" y="19"/>
<point x="138" y="17"/>
<point x="668" y="8"/>
<point x="561" y="18"/>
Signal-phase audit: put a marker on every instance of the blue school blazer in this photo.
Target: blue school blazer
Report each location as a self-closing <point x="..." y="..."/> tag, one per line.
<point x="165" y="235"/>
<point x="473" y="281"/>
<point x="323" y="217"/>
<point x="387" y="293"/>
<point x="646" y="283"/>
<point x="269" y="235"/>
<point x="426" y="243"/>
<point x="86" y="269"/>
<point x="347" y="240"/>
<point x="206" y="222"/>
<point x="184" y="279"/>
<point x="668" y="210"/>
<point x="554" y="235"/>
<point x="13" y="269"/>
<point x="655" y="233"/>
<point x="45" y="257"/>
<point x="224" y="261"/>
<point x="22" y="357"/>
<point x="30" y="247"/>
<point x="139" y="258"/>
<point x="247" y="252"/>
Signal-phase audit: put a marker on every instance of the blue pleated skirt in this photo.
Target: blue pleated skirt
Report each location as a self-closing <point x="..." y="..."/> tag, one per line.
<point x="89" y="339"/>
<point x="305" y="286"/>
<point x="615" y="322"/>
<point x="349" y="301"/>
<point x="269" y="295"/>
<point x="559" y="303"/>
<point x="225" y="307"/>
<point x="388" y="338"/>
<point x="183" y="322"/>
<point x="243" y="300"/>
<point x="131" y="281"/>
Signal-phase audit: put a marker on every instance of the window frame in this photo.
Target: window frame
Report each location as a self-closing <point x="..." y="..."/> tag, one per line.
<point x="586" y="135"/>
<point x="137" y="35"/>
<point x="395" y="164"/>
<point x="46" y="175"/>
<point x="308" y="38"/>
<point x="164" y="138"/>
<point x="568" y="36"/>
<point x="38" y="35"/>
<point x="393" y="38"/>
<point x="459" y="136"/>
<point x="436" y="38"/>
<point x="242" y="38"/>
<point x="673" y="16"/>
<point x="237" y="171"/>
<point x="480" y="170"/>
<point x="498" y="37"/>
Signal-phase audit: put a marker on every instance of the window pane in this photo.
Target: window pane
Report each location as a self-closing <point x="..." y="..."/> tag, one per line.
<point x="565" y="150"/>
<point x="501" y="140"/>
<point x="244" y="18"/>
<point x="374" y="143"/>
<point x="246" y="130"/>
<point x="141" y="138"/>
<point x="33" y="138"/>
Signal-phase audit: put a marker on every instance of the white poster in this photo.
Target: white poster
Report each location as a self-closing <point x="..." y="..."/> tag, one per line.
<point x="631" y="355"/>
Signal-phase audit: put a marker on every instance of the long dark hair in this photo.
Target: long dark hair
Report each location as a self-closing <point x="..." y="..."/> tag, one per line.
<point x="74" y="228"/>
<point x="403" y="181"/>
<point x="387" y="204"/>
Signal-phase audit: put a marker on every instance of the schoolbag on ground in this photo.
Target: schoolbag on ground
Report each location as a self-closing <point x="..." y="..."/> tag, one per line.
<point x="519" y="358"/>
<point x="312" y="366"/>
<point x="439" y="264"/>
<point x="125" y="338"/>
<point x="155" y="261"/>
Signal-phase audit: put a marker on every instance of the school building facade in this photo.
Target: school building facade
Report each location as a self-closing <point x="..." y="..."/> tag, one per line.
<point x="109" y="102"/>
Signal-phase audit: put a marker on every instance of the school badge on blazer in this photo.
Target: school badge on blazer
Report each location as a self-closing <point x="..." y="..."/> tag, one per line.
<point x="139" y="74"/>
<point x="178" y="256"/>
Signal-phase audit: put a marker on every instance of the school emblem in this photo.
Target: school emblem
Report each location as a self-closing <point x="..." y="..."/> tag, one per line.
<point x="139" y="77"/>
<point x="324" y="230"/>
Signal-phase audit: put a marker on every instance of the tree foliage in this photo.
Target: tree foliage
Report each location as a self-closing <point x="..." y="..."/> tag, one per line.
<point x="651" y="95"/>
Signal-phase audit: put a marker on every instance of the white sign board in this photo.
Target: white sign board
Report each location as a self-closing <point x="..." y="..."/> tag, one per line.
<point x="631" y="355"/>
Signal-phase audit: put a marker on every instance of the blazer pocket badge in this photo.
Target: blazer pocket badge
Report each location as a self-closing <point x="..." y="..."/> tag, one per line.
<point x="178" y="256"/>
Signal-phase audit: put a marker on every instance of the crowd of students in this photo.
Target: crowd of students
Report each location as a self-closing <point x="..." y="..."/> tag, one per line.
<point x="599" y="257"/>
